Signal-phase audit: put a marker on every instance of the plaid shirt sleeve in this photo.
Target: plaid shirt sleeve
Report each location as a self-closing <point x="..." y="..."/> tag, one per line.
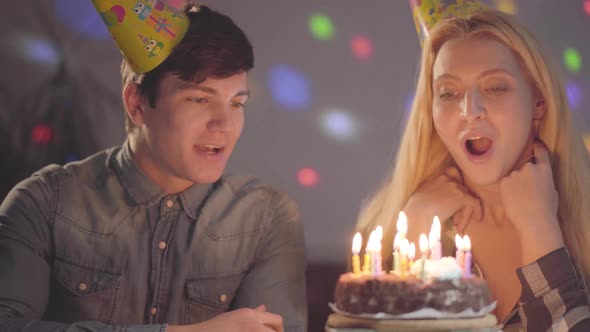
<point x="553" y="297"/>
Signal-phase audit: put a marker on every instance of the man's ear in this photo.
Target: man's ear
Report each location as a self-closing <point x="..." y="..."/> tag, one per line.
<point x="133" y="102"/>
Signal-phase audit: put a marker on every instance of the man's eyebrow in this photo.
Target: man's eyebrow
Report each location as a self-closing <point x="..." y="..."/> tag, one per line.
<point x="209" y="90"/>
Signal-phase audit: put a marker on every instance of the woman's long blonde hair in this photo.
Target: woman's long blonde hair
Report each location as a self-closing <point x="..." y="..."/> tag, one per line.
<point x="422" y="155"/>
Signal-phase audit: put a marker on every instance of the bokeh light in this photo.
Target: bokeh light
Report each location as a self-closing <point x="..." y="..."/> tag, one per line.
<point x="42" y="134"/>
<point x="362" y="47"/>
<point x="289" y="87"/>
<point x="40" y="50"/>
<point x="308" y="177"/>
<point x="587" y="7"/>
<point x="572" y="60"/>
<point x="321" y="26"/>
<point x="574" y="95"/>
<point x="82" y="17"/>
<point x="507" y="6"/>
<point x="70" y="158"/>
<point x="339" y="124"/>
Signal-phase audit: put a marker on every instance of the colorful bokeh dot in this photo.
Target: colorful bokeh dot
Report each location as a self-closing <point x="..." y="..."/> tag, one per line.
<point x="40" y="50"/>
<point x="308" y="177"/>
<point x="587" y="7"/>
<point x="82" y="17"/>
<point x="574" y="95"/>
<point x="289" y="87"/>
<point x="362" y="47"/>
<point x="71" y="157"/>
<point x="572" y="60"/>
<point x="321" y="26"/>
<point x="339" y="124"/>
<point x="42" y="134"/>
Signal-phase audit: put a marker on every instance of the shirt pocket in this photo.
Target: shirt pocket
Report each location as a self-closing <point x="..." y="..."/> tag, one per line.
<point x="80" y="293"/>
<point x="208" y="297"/>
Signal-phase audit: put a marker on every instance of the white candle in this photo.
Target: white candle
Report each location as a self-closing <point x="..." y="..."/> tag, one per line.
<point x="374" y="248"/>
<point x="423" y="243"/>
<point x="434" y="239"/>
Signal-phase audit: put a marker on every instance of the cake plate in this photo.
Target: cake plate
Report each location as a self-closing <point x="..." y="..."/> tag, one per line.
<point x="340" y="323"/>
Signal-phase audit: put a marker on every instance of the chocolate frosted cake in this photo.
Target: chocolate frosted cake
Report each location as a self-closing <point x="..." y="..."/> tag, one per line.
<point x="391" y="294"/>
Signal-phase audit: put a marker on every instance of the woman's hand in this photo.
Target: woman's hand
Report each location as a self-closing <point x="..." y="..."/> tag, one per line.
<point x="445" y="196"/>
<point x="530" y="202"/>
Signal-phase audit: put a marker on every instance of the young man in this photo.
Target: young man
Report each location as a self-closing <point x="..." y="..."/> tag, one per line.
<point x="149" y="236"/>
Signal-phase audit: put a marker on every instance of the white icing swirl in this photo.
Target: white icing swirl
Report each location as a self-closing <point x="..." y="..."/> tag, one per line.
<point x="446" y="268"/>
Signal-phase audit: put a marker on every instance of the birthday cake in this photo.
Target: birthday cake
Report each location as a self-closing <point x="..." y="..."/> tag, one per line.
<point x="438" y="285"/>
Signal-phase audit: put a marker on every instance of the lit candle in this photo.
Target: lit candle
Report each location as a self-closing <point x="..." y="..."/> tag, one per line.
<point x="404" y="250"/>
<point x="424" y="251"/>
<point x="367" y="258"/>
<point x="357" y="243"/>
<point x="434" y="239"/>
<point x="467" y="248"/>
<point x="396" y="243"/>
<point x="412" y="253"/>
<point x="460" y="254"/>
<point x="376" y="266"/>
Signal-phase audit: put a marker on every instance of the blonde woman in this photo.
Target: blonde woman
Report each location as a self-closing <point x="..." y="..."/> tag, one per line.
<point x="490" y="147"/>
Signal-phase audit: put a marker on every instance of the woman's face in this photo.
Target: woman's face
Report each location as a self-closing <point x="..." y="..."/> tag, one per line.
<point x="483" y="107"/>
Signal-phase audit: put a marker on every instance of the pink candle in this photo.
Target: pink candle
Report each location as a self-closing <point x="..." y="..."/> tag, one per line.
<point x="460" y="254"/>
<point x="467" y="248"/>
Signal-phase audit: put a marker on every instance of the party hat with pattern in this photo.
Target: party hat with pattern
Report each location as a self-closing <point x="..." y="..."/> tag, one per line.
<point x="146" y="31"/>
<point x="429" y="12"/>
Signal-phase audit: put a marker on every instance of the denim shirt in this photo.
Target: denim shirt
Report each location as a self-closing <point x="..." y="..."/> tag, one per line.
<point x="95" y="245"/>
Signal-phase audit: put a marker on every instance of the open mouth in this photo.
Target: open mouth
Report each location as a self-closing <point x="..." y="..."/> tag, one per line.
<point x="478" y="146"/>
<point x="209" y="149"/>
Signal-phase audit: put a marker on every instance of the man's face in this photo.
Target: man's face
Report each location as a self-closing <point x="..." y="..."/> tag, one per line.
<point x="193" y="128"/>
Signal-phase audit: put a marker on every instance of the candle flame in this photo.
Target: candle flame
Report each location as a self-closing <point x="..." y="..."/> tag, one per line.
<point x="371" y="243"/>
<point x="404" y="247"/>
<point x="402" y="223"/>
<point x="435" y="229"/>
<point x="412" y="252"/>
<point x="379" y="231"/>
<point x="466" y="243"/>
<point x="357" y="243"/>
<point x="423" y="244"/>
<point x="458" y="242"/>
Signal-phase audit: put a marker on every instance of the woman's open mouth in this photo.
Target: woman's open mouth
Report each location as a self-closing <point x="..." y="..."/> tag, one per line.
<point x="478" y="146"/>
<point x="209" y="149"/>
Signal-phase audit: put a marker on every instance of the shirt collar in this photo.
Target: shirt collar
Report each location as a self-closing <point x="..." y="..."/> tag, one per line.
<point x="147" y="193"/>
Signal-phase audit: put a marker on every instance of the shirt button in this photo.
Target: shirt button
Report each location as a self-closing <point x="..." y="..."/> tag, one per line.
<point x="223" y="298"/>
<point x="82" y="287"/>
<point x="169" y="203"/>
<point x="153" y="311"/>
<point x="162" y="245"/>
